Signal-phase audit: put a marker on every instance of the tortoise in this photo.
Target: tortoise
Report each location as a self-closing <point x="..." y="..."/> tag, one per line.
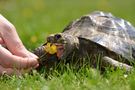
<point x="98" y="33"/>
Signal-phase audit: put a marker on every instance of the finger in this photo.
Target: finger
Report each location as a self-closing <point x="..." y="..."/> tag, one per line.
<point x="4" y="20"/>
<point x="11" y="38"/>
<point x="8" y="60"/>
<point x="13" y="42"/>
<point x="32" y="55"/>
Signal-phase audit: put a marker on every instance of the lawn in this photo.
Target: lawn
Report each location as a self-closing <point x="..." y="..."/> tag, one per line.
<point x="36" y="19"/>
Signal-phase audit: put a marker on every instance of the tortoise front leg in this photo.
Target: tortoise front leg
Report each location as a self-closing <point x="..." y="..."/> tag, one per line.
<point x="116" y="64"/>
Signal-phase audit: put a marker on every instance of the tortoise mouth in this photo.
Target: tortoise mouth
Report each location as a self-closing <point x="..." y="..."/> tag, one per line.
<point x="54" y="48"/>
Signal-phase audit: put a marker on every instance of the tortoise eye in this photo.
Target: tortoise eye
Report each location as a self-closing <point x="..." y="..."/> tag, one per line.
<point x="57" y="36"/>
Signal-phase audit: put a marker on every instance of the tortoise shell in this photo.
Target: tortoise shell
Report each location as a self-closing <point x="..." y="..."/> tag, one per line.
<point x="115" y="34"/>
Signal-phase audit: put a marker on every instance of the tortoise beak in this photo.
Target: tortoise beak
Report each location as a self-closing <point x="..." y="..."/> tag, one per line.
<point x="59" y="41"/>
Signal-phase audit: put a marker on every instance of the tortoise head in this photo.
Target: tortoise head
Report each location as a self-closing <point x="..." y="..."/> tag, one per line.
<point x="57" y="47"/>
<point x="65" y="44"/>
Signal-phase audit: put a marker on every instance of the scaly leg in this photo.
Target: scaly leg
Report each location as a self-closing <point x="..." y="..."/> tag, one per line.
<point x="116" y="64"/>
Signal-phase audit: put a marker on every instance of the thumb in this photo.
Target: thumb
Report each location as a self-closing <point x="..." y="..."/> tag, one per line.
<point x="9" y="60"/>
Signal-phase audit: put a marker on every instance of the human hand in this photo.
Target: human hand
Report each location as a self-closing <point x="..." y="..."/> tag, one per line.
<point x="16" y="55"/>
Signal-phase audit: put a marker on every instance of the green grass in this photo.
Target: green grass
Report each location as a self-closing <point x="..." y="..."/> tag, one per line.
<point x="36" y="19"/>
<point x="84" y="79"/>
